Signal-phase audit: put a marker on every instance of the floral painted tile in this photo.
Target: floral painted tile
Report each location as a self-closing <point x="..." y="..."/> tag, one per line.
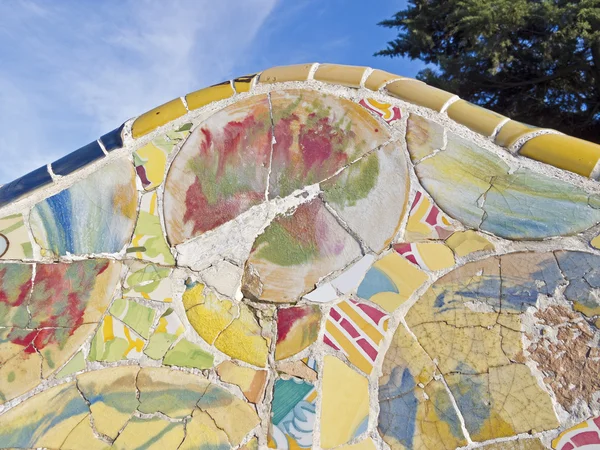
<point x="371" y="194"/>
<point x="390" y="282"/>
<point x="315" y="135"/>
<point x="295" y="251"/>
<point x="95" y="215"/>
<point x="148" y="242"/>
<point x="386" y="111"/>
<point x="188" y="354"/>
<point x="297" y="328"/>
<point x="221" y="170"/>
<point x="169" y="328"/>
<point x="115" y="341"/>
<point x="138" y="317"/>
<point x="356" y="329"/>
<point x="345" y="403"/>
<point x="251" y="382"/>
<point x="14" y="239"/>
<point x="148" y="281"/>
<point x="426" y="221"/>
<point x="478" y="188"/>
<point x="151" y="160"/>
<point x="430" y="256"/>
<point x="293" y="414"/>
<point x="231" y="327"/>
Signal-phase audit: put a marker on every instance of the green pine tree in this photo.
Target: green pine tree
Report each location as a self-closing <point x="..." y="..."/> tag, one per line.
<point x="536" y="61"/>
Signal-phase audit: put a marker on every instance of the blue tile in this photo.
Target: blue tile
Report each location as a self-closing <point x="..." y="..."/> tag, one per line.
<point x="113" y="140"/>
<point x="21" y="186"/>
<point x="77" y="159"/>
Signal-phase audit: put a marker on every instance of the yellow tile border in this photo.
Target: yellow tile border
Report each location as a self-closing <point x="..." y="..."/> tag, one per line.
<point x="562" y="151"/>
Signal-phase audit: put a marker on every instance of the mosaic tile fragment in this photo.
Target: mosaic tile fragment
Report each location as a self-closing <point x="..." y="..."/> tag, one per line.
<point x="295" y="251"/>
<point x="345" y="403"/>
<point x="148" y="281"/>
<point x="202" y="432"/>
<point x="351" y="277"/>
<point x="167" y="331"/>
<point x="230" y="327"/>
<point x="323" y="294"/>
<point x="95" y="215"/>
<point x="297" y="328"/>
<point x="386" y="111"/>
<point x="316" y="134"/>
<point x="423" y="137"/>
<point x="221" y="170"/>
<point x="416" y="411"/>
<point x="115" y="341"/>
<point x="426" y="220"/>
<point x="356" y="329"/>
<point x="464" y="243"/>
<point x="371" y="194"/>
<point x="75" y="364"/>
<point x="518" y="444"/>
<point x="366" y="444"/>
<point x="188" y="354"/>
<point x="298" y="369"/>
<point x="293" y="414"/>
<point x="138" y="317"/>
<point x="430" y="256"/>
<point x="478" y="188"/>
<point x="148" y="242"/>
<point x="251" y="382"/>
<point x="151" y="433"/>
<point x="151" y="160"/>
<point x="14" y="239"/>
<point x="41" y="331"/>
<point x="585" y="434"/>
<point x="391" y="281"/>
<point x="583" y="273"/>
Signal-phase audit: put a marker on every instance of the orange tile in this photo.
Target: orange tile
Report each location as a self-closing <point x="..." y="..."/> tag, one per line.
<point x="564" y="152"/>
<point x="157" y="117"/>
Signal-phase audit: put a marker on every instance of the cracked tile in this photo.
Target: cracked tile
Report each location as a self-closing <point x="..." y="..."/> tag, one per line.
<point x="138" y="317"/>
<point x="295" y="251"/>
<point x="356" y="329"/>
<point x="423" y="137"/>
<point x="148" y="242"/>
<point x="293" y="414"/>
<point x="317" y="134"/>
<point x="426" y="220"/>
<point x="391" y="281"/>
<point x="251" y="382"/>
<point x="345" y="403"/>
<point x="386" y="111"/>
<point x="220" y="171"/>
<point x="297" y="329"/>
<point x="14" y="239"/>
<point x="188" y="354"/>
<point x="153" y="433"/>
<point x="167" y="331"/>
<point x="95" y="215"/>
<point x="202" y="432"/>
<point x="298" y="369"/>
<point x="370" y="195"/>
<point x="75" y="364"/>
<point x="148" y="281"/>
<point x="478" y="188"/>
<point x="464" y="243"/>
<point x="430" y="256"/>
<point x="518" y="444"/>
<point x="115" y="341"/>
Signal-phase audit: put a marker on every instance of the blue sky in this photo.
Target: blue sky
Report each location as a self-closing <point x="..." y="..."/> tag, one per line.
<point x="75" y="69"/>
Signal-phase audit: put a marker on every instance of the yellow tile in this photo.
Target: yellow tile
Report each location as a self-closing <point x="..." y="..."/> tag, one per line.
<point x="366" y="444"/>
<point x="478" y="119"/>
<point x="378" y="78"/>
<point x="153" y="433"/>
<point x="596" y="242"/>
<point x="466" y="242"/>
<point x="511" y="131"/>
<point x="419" y="93"/>
<point x="296" y="72"/>
<point x="83" y="433"/>
<point x="435" y="256"/>
<point x="564" y="152"/>
<point x="338" y="74"/>
<point x="203" y="97"/>
<point x="244" y="84"/>
<point x="251" y="382"/>
<point x="157" y="117"/>
<point x="345" y="404"/>
<point x="202" y="432"/>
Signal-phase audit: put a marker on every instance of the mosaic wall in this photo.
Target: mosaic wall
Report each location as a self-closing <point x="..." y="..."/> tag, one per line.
<point x="312" y="257"/>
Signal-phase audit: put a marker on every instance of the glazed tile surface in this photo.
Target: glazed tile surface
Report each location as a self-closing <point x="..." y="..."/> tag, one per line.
<point x="304" y="265"/>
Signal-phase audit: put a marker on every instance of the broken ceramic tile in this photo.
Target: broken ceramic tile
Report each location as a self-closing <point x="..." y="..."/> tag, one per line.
<point x="317" y="134"/>
<point x="95" y="215"/>
<point x="323" y="294"/>
<point x="167" y="331"/>
<point x="430" y="256"/>
<point x="298" y="369"/>
<point x="351" y="277"/>
<point x="188" y="354"/>
<point x="150" y="433"/>
<point x="295" y="251"/>
<point x="115" y="341"/>
<point x="293" y="414"/>
<point x="423" y="137"/>
<point x="390" y="282"/>
<point x="426" y="220"/>
<point x="75" y="364"/>
<point x="133" y="314"/>
<point x="464" y="243"/>
<point x="148" y="281"/>
<point x="386" y="111"/>
<point x="585" y="434"/>
<point x="221" y="170"/>
<point x="14" y="239"/>
<point x="251" y="382"/>
<point x="297" y="328"/>
<point x="356" y="330"/>
<point x="148" y="242"/>
<point x="370" y="195"/>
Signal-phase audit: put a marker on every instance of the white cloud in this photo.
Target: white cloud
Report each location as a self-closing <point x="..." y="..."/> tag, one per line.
<point x="77" y="70"/>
